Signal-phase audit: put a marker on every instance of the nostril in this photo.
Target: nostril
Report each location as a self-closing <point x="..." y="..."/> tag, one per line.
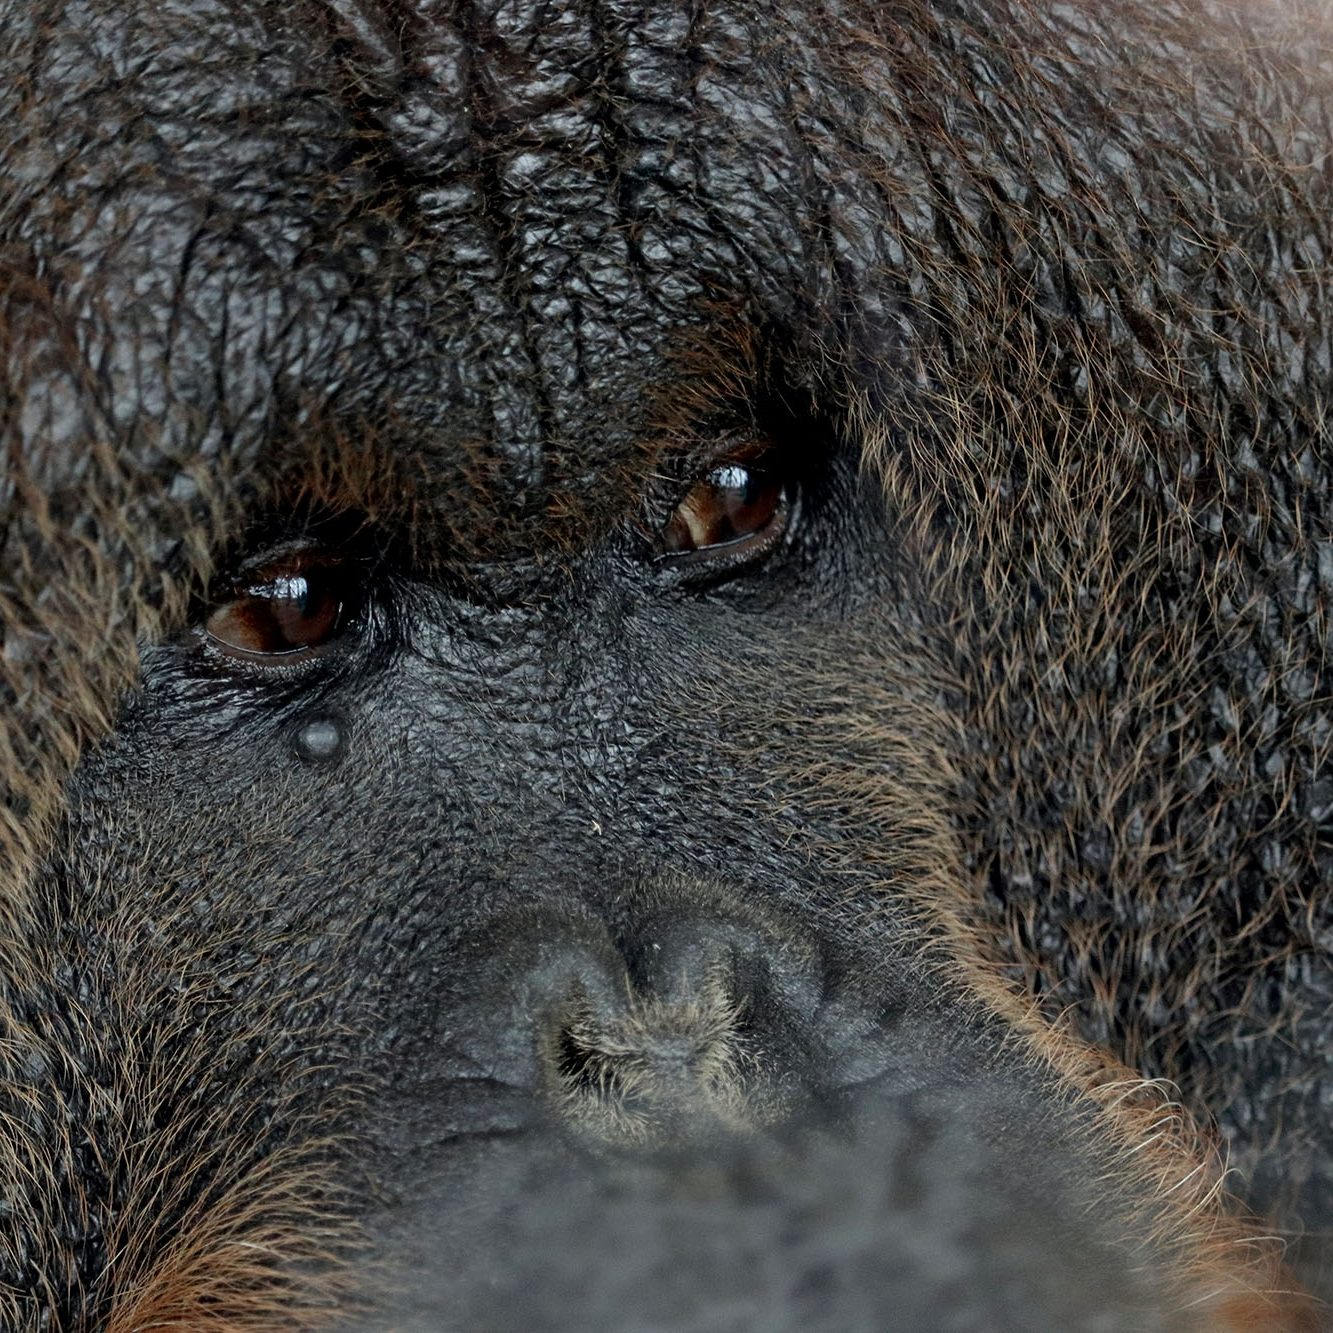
<point x="652" y="1068"/>
<point x="576" y="1065"/>
<point x="592" y="1051"/>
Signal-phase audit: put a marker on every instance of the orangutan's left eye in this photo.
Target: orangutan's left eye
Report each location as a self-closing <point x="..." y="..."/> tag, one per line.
<point x="740" y="509"/>
<point x="284" y="613"/>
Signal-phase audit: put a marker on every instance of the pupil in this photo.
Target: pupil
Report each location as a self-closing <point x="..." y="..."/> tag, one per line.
<point x="734" y="477"/>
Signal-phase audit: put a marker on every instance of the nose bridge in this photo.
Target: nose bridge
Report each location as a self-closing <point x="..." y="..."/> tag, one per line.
<point x="529" y="703"/>
<point x="510" y="660"/>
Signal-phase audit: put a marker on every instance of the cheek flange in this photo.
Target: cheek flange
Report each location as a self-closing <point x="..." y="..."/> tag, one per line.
<point x="319" y="739"/>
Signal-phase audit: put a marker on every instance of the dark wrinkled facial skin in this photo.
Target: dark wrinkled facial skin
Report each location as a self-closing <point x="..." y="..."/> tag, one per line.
<point x="677" y="551"/>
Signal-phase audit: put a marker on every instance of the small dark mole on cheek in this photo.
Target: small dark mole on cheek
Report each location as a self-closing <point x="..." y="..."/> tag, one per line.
<point x="319" y="739"/>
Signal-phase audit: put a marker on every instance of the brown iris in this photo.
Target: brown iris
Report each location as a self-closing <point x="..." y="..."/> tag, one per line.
<point x="283" y="612"/>
<point x="737" y="509"/>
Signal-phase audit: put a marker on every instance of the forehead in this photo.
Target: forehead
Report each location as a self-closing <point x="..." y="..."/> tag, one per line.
<point x="481" y="245"/>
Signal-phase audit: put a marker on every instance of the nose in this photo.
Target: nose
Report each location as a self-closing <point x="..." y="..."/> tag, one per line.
<point x="681" y="1020"/>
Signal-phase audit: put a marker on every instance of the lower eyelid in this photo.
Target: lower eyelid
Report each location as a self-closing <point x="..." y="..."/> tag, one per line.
<point x="222" y="652"/>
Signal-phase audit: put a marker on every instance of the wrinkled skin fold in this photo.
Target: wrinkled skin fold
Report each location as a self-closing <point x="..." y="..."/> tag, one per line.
<point x="903" y="915"/>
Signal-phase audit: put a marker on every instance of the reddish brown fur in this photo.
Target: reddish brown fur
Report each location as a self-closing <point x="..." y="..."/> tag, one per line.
<point x="1227" y="1267"/>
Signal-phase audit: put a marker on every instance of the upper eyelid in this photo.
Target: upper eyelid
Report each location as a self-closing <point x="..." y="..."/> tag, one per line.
<point x="734" y="446"/>
<point x="740" y="448"/>
<point x="341" y="536"/>
<point x="245" y="577"/>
